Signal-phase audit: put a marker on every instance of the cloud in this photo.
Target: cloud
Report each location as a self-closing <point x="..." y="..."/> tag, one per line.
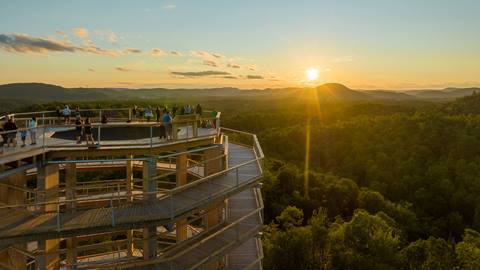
<point x="252" y="68"/>
<point x="177" y="53"/>
<point x="230" y="77"/>
<point x="22" y="43"/>
<point x="107" y="35"/>
<point x="81" y="33"/>
<point x="254" y="77"/>
<point x="230" y="65"/>
<point x="169" y="7"/>
<point x="97" y="50"/>
<point x="210" y="63"/>
<point x="157" y="52"/>
<point x="206" y="55"/>
<point x="26" y="44"/>
<point x="91" y="70"/>
<point x="199" y="73"/>
<point x="130" y="51"/>
<point x="123" y="69"/>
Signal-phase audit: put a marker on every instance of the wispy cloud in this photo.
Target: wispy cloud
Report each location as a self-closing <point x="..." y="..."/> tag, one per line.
<point x="176" y="53"/>
<point x="26" y="44"/>
<point x="107" y="35"/>
<point x="91" y="70"/>
<point x="131" y="51"/>
<point x="210" y="63"/>
<point x="169" y="7"/>
<point x="22" y="43"/>
<point x="123" y="69"/>
<point x="200" y="73"/>
<point x="230" y="77"/>
<point x="254" y="77"/>
<point x="231" y="65"/>
<point x="157" y="52"/>
<point x="206" y="55"/>
<point x="81" y="33"/>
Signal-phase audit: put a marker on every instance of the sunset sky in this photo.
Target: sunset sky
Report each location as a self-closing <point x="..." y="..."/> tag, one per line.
<point x="369" y="44"/>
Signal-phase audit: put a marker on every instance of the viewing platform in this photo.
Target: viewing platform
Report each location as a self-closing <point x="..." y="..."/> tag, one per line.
<point x="138" y="197"/>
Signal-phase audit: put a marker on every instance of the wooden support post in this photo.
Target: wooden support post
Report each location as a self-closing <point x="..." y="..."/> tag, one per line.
<point x="72" y="253"/>
<point x="130" y="245"/>
<point x="48" y="258"/>
<point x="149" y="185"/>
<point x="181" y="170"/>
<point x="214" y="163"/>
<point x="47" y="184"/>
<point x="129" y="179"/>
<point x="181" y="173"/>
<point x="129" y="183"/>
<point x="70" y="185"/>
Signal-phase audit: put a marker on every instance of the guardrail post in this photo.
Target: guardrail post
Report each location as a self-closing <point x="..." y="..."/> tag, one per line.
<point x="151" y="136"/>
<point x="43" y="119"/>
<point x="58" y="216"/>
<point x="99" y="133"/>
<point x="113" y="214"/>
<point x="171" y="205"/>
<point x="236" y="174"/>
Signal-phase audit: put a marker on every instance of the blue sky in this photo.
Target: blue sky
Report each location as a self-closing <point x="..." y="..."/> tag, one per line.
<point x="363" y="44"/>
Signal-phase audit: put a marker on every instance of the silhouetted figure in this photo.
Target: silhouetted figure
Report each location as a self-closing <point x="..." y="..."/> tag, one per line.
<point x="104" y="119"/>
<point x="148" y="113"/>
<point x="88" y="131"/>
<point x="78" y="130"/>
<point x="198" y="109"/>
<point x="158" y="113"/>
<point x="11" y="128"/>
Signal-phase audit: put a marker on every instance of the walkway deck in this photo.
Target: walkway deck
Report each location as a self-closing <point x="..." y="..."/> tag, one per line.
<point x="136" y="215"/>
<point x="48" y="143"/>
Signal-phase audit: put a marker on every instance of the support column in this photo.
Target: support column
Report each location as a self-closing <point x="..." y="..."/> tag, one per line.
<point x="47" y="184"/>
<point x="129" y="179"/>
<point x="129" y="183"/>
<point x="181" y="173"/>
<point x="70" y="192"/>
<point x="72" y="253"/>
<point x="149" y="185"/>
<point x="214" y="163"/>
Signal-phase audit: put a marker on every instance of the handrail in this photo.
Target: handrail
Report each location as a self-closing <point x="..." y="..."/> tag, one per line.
<point x="188" y="249"/>
<point x="170" y="193"/>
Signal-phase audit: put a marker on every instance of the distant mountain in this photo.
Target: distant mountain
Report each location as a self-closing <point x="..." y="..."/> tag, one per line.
<point x="447" y="93"/>
<point x="28" y="93"/>
<point x="336" y="91"/>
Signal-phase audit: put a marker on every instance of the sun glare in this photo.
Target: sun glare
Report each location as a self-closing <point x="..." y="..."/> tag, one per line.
<point x="312" y="74"/>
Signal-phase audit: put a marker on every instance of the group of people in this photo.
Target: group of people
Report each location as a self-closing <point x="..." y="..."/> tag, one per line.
<point x="148" y="112"/>
<point x="83" y="129"/>
<point x="9" y="130"/>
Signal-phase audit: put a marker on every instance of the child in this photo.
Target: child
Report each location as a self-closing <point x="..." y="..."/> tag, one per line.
<point x="23" y="135"/>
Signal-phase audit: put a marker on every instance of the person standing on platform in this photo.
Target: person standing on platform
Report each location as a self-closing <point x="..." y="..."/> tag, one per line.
<point x="167" y="122"/>
<point x="32" y="127"/>
<point x="78" y="130"/>
<point x="158" y="113"/>
<point x="66" y="114"/>
<point x="88" y="131"/>
<point x="11" y="128"/>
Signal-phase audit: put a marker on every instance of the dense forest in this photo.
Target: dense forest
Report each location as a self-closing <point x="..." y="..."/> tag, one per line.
<point x="361" y="184"/>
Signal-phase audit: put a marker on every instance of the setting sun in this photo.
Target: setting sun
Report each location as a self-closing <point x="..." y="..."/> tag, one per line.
<point x="312" y="74"/>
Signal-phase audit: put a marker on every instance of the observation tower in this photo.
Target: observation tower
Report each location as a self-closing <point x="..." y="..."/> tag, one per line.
<point x="133" y="200"/>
